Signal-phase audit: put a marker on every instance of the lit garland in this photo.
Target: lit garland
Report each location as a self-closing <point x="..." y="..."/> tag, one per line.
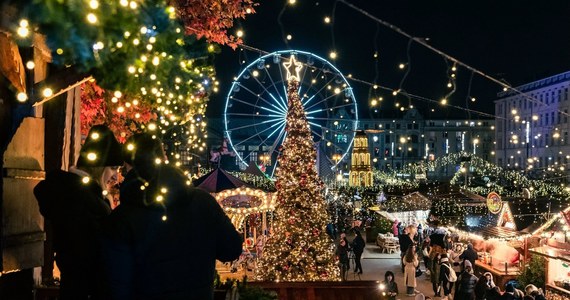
<point x="299" y="249"/>
<point x="267" y="202"/>
<point x="138" y="48"/>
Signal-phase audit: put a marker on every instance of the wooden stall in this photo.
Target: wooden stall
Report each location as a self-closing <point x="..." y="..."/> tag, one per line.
<point x="555" y="248"/>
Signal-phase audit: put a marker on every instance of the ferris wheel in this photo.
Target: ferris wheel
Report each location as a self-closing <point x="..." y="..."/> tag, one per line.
<point x="256" y="109"/>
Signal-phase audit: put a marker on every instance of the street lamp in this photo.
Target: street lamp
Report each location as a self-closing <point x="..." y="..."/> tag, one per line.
<point x="403" y="141"/>
<point x="475" y="142"/>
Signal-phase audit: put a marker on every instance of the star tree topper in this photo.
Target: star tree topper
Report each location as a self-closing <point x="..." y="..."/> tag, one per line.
<point x="298" y="66"/>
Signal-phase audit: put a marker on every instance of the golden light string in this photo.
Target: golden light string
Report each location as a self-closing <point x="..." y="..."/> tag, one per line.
<point x="422" y="42"/>
<point x="376" y="86"/>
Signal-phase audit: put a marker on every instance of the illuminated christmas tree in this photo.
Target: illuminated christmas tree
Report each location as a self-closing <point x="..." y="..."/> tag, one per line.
<point x="299" y="248"/>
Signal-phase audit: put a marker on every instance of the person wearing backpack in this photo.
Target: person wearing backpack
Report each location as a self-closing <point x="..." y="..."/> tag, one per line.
<point x="446" y="275"/>
<point x="466" y="283"/>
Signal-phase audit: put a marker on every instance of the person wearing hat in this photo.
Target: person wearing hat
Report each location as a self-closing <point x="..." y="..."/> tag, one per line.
<point x="163" y="240"/>
<point x="75" y="203"/>
<point x="445" y="276"/>
<point x="509" y="293"/>
<point x="465" y="285"/>
<point x="533" y="291"/>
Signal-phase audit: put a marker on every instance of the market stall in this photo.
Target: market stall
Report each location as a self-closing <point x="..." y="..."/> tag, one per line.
<point x="495" y="232"/>
<point x="555" y="248"/>
<point x="408" y="209"/>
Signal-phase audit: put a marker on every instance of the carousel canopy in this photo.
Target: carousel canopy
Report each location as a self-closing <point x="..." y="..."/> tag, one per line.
<point x="218" y="180"/>
<point x="254" y="170"/>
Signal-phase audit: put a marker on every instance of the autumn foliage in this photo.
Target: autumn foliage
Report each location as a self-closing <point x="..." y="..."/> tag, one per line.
<point x="212" y="18"/>
<point x="99" y="107"/>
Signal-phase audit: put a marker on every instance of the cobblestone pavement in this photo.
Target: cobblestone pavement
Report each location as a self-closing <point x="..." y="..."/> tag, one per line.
<point x="374" y="265"/>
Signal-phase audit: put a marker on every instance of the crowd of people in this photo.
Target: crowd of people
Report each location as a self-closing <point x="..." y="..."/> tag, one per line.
<point x="161" y="242"/>
<point x="450" y="267"/>
<point x="447" y="263"/>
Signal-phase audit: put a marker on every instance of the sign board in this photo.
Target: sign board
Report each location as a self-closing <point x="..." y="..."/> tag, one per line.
<point x="494" y="203"/>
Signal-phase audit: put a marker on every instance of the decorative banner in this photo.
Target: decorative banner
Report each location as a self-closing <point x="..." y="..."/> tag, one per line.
<point x="494" y="203"/>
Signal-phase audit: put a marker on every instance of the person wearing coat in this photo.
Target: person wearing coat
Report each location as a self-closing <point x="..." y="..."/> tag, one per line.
<point x="469" y="255"/>
<point x="75" y="203"/>
<point x="342" y="254"/>
<point x="434" y="256"/>
<point x="509" y="293"/>
<point x="465" y="285"/>
<point x="390" y="286"/>
<point x="481" y="288"/>
<point x="358" y="248"/>
<point x="410" y="264"/>
<point x="163" y="240"/>
<point x="444" y="274"/>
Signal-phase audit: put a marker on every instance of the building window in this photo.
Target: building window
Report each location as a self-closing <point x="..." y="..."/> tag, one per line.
<point x="409" y="126"/>
<point x="398" y="126"/>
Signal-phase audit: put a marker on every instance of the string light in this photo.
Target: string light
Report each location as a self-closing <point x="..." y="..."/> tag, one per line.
<point x="22" y="97"/>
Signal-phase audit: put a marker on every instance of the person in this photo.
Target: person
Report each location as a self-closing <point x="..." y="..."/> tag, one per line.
<point x="448" y="242"/>
<point x="163" y="240"/>
<point x="469" y="254"/>
<point x="343" y="237"/>
<point x="358" y="248"/>
<point x="342" y="254"/>
<point x="509" y="293"/>
<point x="481" y="288"/>
<point x="395" y="227"/>
<point x="75" y="202"/>
<point x="454" y="258"/>
<point x="410" y="265"/>
<point x="406" y="240"/>
<point x="489" y="280"/>
<point x="434" y="256"/>
<point x="493" y="294"/>
<point x="465" y="286"/>
<point x="445" y="275"/>
<point x="533" y="291"/>
<point x="390" y="286"/>
<point x="425" y="253"/>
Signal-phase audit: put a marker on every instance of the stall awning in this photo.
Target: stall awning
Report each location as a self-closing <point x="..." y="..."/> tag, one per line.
<point x="493" y="232"/>
<point x="551" y="252"/>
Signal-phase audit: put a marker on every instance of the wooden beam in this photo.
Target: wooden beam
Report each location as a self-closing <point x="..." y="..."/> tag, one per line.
<point x="63" y="90"/>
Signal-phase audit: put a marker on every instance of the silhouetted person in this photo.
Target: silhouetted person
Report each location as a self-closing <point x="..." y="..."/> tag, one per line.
<point x="75" y="203"/>
<point x="162" y="241"/>
<point x="358" y="248"/>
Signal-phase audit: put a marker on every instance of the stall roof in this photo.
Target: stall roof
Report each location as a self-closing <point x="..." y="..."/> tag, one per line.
<point x="218" y="180"/>
<point x="530" y="213"/>
<point x="493" y="232"/>
<point x="552" y="252"/>
<point x="411" y="202"/>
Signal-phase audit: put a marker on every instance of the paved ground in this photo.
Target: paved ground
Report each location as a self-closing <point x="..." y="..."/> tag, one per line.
<point x="374" y="265"/>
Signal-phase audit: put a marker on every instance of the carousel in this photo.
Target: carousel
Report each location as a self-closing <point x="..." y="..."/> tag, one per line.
<point x="247" y="207"/>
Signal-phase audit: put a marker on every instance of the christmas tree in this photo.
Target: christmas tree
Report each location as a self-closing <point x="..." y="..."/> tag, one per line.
<point x="299" y="248"/>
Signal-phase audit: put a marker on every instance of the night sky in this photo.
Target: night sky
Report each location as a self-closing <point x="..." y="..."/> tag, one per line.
<point x="516" y="41"/>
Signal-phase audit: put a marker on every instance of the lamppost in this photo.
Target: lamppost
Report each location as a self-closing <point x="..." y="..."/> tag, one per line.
<point x="403" y="141"/>
<point x="265" y="159"/>
<point x="475" y="143"/>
